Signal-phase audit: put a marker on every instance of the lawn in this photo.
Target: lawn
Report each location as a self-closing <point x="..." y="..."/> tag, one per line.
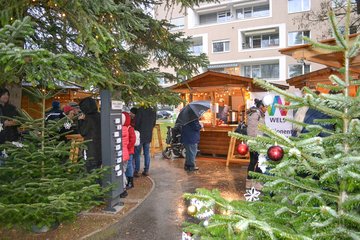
<point x="163" y="127"/>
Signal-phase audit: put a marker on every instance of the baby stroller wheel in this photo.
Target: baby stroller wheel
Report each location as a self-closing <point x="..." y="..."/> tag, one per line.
<point x="183" y="152"/>
<point x="167" y="153"/>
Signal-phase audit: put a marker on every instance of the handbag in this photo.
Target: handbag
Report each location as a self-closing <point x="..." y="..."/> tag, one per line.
<point x="241" y="128"/>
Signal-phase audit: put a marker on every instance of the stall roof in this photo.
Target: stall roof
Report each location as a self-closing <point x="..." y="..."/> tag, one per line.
<point x="311" y="79"/>
<point x="216" y="81"/>
<point x="323" y="56"/>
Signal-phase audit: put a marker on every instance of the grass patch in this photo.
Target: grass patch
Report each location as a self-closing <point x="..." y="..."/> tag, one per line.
<point x="163" y="127"/>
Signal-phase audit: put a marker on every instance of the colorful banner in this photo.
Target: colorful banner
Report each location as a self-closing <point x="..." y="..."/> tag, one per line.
<point x="275" y="117"/>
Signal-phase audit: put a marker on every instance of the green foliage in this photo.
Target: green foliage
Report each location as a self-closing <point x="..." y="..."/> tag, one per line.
<point x="313" y="192"/>
<point x="103" y="43"/>
<point x="38" y="183"/>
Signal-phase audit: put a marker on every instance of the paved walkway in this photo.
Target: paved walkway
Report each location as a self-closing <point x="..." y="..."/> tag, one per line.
<point x="160" y="216"/>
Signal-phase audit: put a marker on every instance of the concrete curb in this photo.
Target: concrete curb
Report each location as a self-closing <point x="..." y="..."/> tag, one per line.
<point x="107" y="231"/>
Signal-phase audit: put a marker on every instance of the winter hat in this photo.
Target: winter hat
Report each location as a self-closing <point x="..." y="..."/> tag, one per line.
<point x="67" y="109"/>
<point x="56" y="104"/>
<point x="3" y="91"/>
<point x="74" y="105"/>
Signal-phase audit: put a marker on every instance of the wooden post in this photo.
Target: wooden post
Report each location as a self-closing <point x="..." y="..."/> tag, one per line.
<point x="231" y="156"/>
<point x="75" y="139"/>
<point x="159" y="146"/>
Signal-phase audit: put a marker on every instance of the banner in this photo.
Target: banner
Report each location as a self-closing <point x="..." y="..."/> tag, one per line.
<point x="275" y="117"/>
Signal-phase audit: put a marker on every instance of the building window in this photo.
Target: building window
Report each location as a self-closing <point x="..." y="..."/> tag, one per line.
<point x="296" y="38"/>
<point x="352" y="29"/>
<point x="261" y="39"/>
<point x="298" y="69"/>
<point x="207" y="18"/>
<point x="223" y="16"/>
<point x="298" y="6"/>
<point x="266" y="71"/>
<point x="178" y="23"/>
<point x="340" y="3"/>
<point x="197" y="46"/>
<point x="221" y="46"/>
<point x="253" y="12"/>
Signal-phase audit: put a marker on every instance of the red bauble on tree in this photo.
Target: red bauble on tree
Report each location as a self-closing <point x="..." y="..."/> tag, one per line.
<point x="275" y="153"/>
<point x="242" y="148"/>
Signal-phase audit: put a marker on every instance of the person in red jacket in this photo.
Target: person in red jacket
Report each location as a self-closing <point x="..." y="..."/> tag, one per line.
<point x="125" y="151"/>
<point x="131" y="149"/>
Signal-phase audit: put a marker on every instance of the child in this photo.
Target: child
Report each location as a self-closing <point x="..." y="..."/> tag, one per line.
<point x="125" y="151"/>
<point x="131" y="148"/>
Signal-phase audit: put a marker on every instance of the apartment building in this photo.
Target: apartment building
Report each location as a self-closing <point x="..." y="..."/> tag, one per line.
<point x="243" y="37"/>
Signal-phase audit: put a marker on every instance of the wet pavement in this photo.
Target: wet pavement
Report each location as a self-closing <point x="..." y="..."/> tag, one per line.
<point x="161" y="215"/>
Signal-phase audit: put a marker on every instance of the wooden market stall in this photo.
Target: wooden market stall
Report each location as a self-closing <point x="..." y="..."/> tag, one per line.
<point x="312" y="79"/>
<point x="68" y="92"/>
<point x="322" y="56"/>
<point x="212" y="86"/>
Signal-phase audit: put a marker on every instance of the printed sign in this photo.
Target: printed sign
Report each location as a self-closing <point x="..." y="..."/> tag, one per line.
<point x="275" y="117"/>
<point x="116" y="105"/>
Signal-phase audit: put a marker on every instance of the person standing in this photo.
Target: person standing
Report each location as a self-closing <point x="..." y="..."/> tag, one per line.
<point x="255" y="116"/>
<point x="144" y="123"/>
<point x="55" y="113"/>
<point x="190" y="137"/>
<point x="89" y="126"/>
<point x="129" y="171"/>
<point x="9" y="128"/>
<point x="223" y="111"/>
<point x="125" y="140"/>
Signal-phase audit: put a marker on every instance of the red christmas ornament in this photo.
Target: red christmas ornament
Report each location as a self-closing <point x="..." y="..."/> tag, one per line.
<point x="275" y="153"/>
<point x="242" y="148"/>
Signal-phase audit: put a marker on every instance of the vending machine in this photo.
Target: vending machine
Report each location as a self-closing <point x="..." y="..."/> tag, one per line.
<point x="111" y="145"/>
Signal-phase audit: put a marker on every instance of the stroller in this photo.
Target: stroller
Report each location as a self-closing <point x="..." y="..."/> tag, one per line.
<point x="174" y="147"/>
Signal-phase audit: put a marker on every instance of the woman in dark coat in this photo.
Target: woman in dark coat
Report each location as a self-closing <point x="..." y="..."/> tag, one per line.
<point x="90" y="129"/>
<point x="144" y="123"/>
<point x="9" y="128"/>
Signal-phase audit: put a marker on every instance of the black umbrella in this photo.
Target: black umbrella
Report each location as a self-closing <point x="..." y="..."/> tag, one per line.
<point x="192" y="111"/>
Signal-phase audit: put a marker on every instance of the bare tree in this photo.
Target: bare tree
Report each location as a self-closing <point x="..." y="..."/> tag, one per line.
<point x="320" y="16"/>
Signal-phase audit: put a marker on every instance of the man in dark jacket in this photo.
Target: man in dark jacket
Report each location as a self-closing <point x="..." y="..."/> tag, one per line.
<point x="9" y="131"/>
<point x="55" y="113"/>
<point x="90" y="129"/>
<point x="145" y="120"/>
<point x="190" y="137"/>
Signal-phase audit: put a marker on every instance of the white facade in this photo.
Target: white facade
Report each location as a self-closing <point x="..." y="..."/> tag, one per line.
<point x="243" y="37"/>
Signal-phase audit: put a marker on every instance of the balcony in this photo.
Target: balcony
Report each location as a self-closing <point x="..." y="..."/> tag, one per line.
<point x="228" y="11"/>
<point x="265" y="38"/>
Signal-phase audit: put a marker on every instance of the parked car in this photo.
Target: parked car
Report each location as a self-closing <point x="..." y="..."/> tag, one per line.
<point x="164" y="113"/>
<point x="159" y="115"/>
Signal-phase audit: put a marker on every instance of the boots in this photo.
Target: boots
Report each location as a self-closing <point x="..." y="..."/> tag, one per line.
<point x="130" y="183"/>
<point x="123" y="194"/>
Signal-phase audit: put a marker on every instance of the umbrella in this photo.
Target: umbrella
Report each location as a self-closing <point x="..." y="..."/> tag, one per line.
<point x="192" y="111"/>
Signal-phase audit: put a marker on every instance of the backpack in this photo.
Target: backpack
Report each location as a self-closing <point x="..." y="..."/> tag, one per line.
<point x="137" y="137"/>
<point x="241" y="128"/>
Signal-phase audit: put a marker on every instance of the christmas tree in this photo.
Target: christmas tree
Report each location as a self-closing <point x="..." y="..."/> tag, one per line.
<point x="313" y="192"/>
<point x="39" y="185"/>
<point x="112" y="44"/>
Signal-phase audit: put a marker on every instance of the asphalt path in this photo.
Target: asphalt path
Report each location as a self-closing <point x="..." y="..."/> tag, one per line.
<point x="161" y="215"/>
